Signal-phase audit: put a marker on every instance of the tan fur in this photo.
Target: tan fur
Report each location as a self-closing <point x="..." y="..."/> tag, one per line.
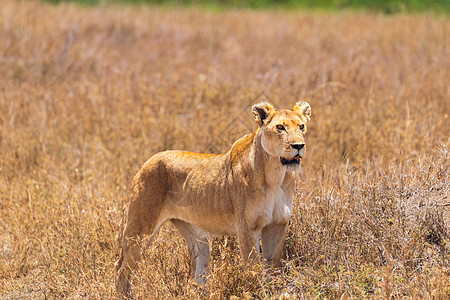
<point x="247" y="192"/>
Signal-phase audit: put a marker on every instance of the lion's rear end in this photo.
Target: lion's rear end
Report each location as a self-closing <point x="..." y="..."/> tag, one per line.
<point x="168" y="187"/>
<point x="144" y="217"/>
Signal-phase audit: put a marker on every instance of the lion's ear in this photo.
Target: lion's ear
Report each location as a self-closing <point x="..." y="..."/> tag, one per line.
<point x="262" y="111"/>
<point x="303" y="109"/>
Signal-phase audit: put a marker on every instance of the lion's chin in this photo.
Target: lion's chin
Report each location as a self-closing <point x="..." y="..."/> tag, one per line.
<point x="287" y="161"/>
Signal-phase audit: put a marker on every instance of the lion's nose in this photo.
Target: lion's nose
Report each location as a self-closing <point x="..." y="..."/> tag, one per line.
<point x="298" y="146"/>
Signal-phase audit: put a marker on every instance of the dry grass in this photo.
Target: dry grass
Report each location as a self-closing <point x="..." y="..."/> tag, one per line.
<point x="88" y="94"/>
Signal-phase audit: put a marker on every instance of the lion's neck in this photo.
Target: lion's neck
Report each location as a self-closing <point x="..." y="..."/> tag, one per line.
<point x="269" y="165"/>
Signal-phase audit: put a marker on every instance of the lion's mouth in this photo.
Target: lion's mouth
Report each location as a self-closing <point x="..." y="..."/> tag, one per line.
<point x="294" y="160"/>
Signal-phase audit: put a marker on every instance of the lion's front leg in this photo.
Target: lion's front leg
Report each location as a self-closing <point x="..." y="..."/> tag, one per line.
<point x="248" y="241"/>
<point x="272" y="239"/>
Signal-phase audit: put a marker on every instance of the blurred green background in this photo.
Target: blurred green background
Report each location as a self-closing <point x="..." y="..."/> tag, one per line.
<point x="384" y="6"/>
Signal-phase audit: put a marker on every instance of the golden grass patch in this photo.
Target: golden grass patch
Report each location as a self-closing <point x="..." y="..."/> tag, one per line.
<point x="87" y="94"/>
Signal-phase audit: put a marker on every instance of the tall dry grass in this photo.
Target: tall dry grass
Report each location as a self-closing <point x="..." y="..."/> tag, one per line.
<point x="87" y="94"/>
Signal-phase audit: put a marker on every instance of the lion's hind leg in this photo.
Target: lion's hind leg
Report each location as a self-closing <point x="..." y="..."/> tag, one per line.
<point x="199" y="248"/>
<point x="136" y="229"/>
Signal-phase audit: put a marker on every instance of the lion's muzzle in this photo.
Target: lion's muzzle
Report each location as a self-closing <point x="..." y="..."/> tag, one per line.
<point x="297" y="157"/>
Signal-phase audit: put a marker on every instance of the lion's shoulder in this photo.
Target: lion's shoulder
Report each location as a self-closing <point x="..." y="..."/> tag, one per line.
<point x="242" y="146"/>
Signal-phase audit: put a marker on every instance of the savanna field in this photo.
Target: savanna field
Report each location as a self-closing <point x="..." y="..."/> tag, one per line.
<point x="89" y="93"/>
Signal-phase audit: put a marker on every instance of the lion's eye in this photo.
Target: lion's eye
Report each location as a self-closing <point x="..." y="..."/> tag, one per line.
<point x="301" y="127"/>
<point x="280" y="127"/>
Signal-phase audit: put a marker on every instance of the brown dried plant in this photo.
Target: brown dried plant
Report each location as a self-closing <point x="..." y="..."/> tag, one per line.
<point x="87" y="94"/>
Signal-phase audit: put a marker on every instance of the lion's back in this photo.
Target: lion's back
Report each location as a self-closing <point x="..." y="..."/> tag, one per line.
<point x="179" y="170"/>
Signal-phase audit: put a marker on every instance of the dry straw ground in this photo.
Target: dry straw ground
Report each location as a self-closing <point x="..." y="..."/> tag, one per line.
<point x="87" y="94"/>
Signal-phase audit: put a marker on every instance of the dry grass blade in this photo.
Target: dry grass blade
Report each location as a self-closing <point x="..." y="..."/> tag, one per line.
<point x="87" y="94"/>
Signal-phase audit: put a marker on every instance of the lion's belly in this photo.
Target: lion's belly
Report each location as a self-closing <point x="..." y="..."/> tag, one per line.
<point x="209" y="207"/>
<point x="213" y="222"/>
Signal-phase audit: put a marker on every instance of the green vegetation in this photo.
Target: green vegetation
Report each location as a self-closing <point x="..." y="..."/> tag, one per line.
<point x="384" y="6"/>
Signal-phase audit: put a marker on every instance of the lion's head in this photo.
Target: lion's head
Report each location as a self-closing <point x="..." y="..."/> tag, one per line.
<point x="283" y="131"/>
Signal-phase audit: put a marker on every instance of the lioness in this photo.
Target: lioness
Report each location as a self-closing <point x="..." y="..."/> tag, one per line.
<point x="247" y="192"/>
